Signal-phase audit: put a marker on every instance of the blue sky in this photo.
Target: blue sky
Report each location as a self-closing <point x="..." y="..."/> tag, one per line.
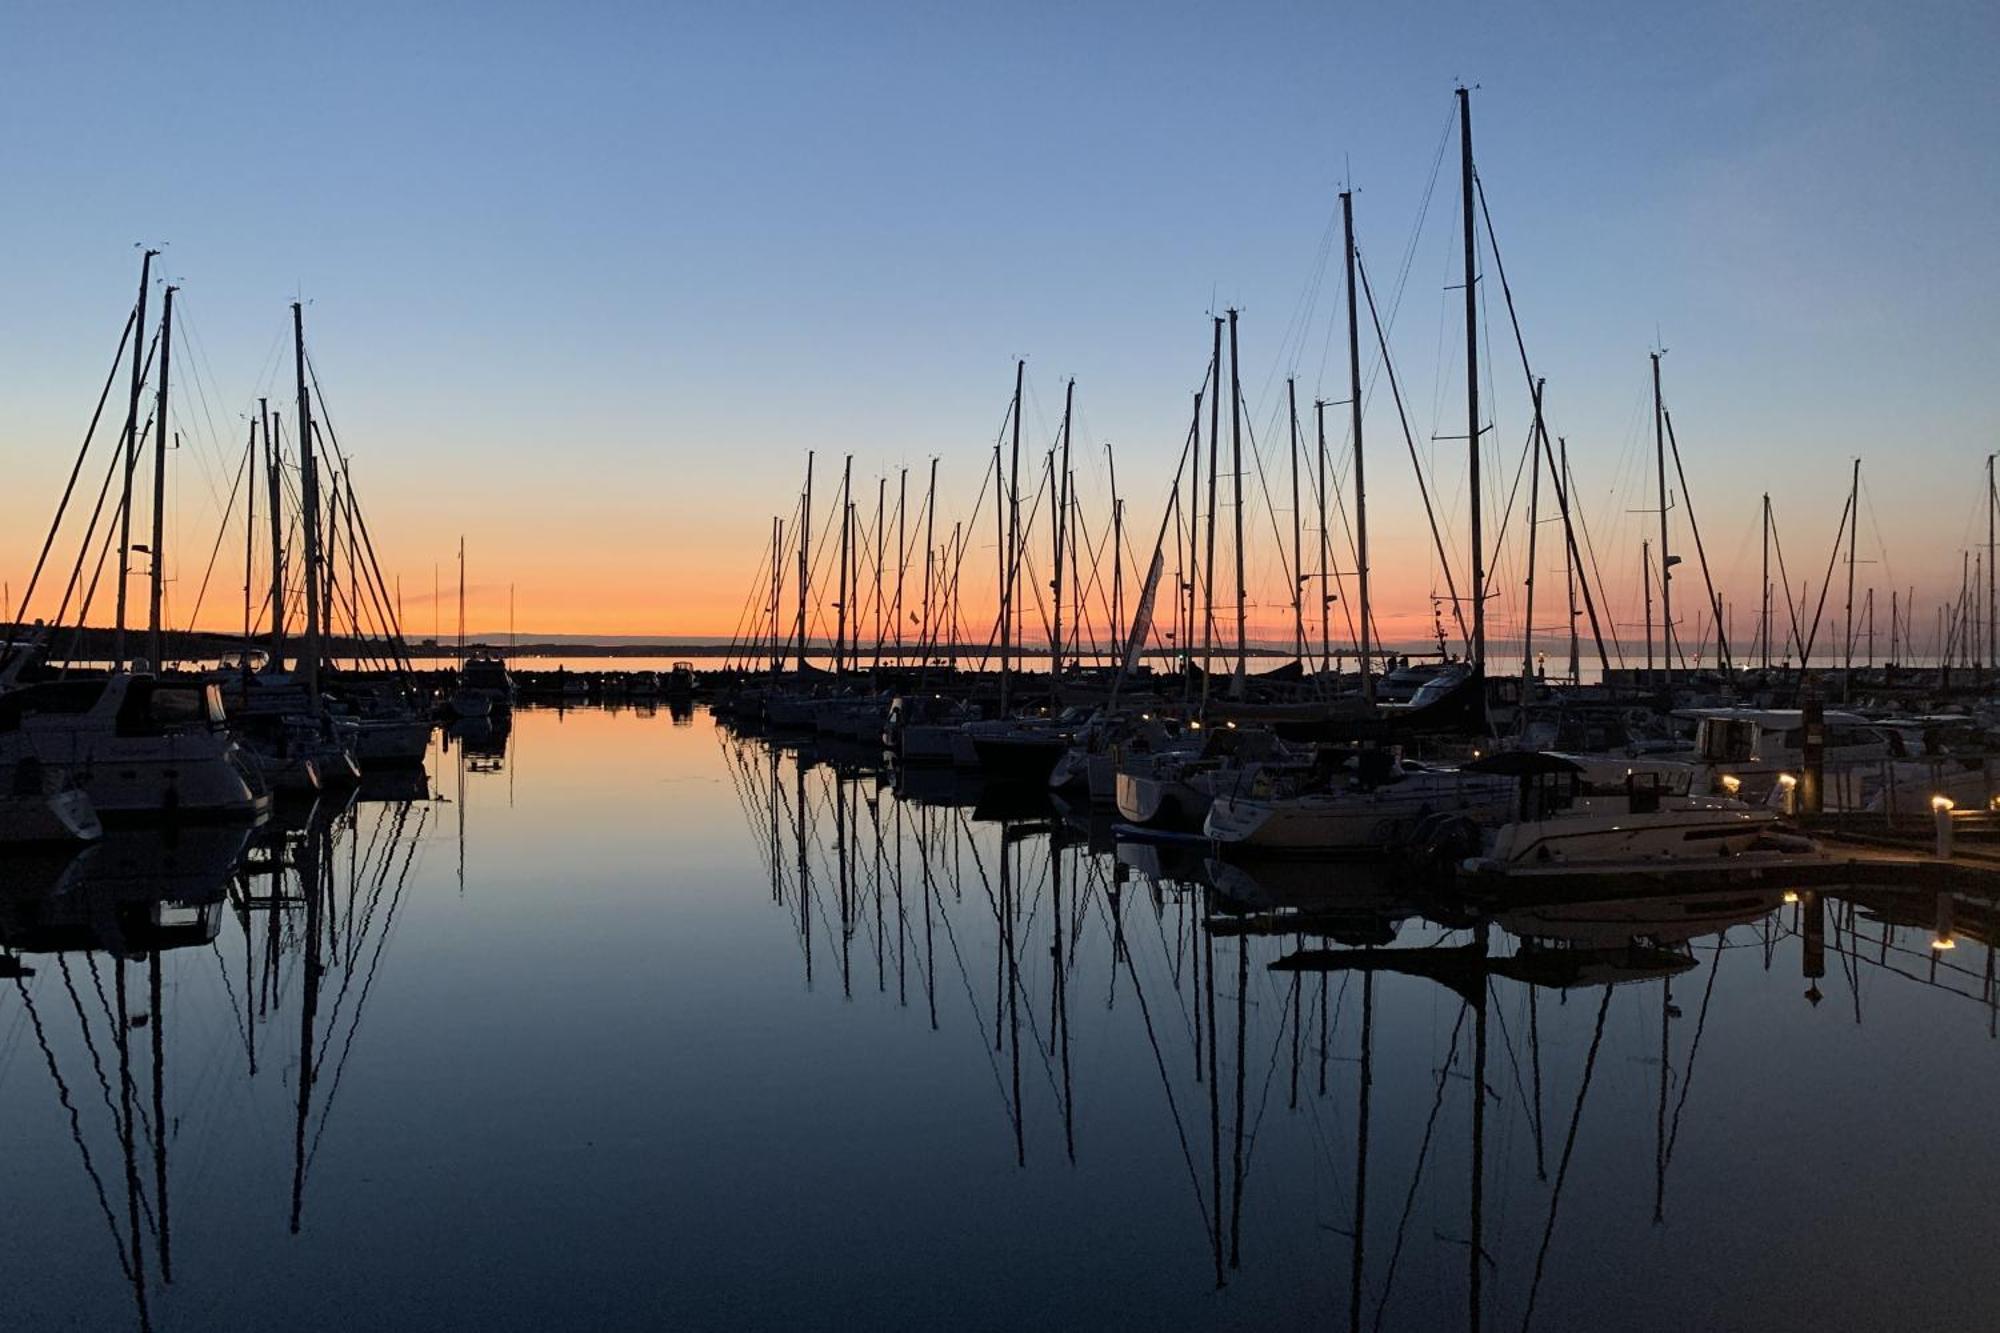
<point x="586" y="281"/>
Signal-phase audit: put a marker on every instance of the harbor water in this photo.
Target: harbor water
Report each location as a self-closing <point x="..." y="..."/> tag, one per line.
<point x="619" y="1019"/>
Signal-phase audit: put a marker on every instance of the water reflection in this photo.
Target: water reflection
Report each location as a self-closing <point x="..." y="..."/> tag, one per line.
<point x="1257" y="995"/>
<point x="715" y="1011"/>
<point x="314" y="894"/>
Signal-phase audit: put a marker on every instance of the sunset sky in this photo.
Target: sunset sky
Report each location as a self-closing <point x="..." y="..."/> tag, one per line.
<point x="585" y="282"/>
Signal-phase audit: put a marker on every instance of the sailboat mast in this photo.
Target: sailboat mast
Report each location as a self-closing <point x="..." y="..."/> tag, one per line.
<point x="1534" y="520"/>
<point x="1059" y="492"/>
<point x="1646" y="585"/>
<point x="1117" y="560"/>
<point x="1194" y="565"/>
<point x="275" y="498"/>
<point x="131" y="458"/>
<point x="1325" y="544"/>
<point x="155" y="638"/>
<point x="1298" y="528"/>
<point x="930" y="549"/>
<point x="881" y="494"/>
<point x="461" y="602"/>
<point x="1767" y="580"/>
<point x="805" y="557"/>
<point x="330" y="558"/>
<point x="309" y="504"/>
<point x="1992" y="576"/>
<point x="1208" y="562"/>
<point x="1569" y="568"/>
<point x="1666" y="558"/>
<point x="957" y="566"/>
<point x="1360" y="469"/>
<point x="1008" y="543"/>
<point x="846" y="532"/>
<point x="777" y="589"/>
<point x="1236" y="498"/>
<point x="1853" y="530"/>
<point x="1466" y="187"/>
<point x="249" y="537"/>
<point x="902" y="555"/>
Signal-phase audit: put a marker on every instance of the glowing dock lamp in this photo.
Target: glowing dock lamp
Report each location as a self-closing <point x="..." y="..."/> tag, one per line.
<point x="1791" y="897"/>
<point x="1944" y="937"/>
<point x="1730" y="784"/>
<point x="1788" y="794"/>
<point x="1941" y="808"/>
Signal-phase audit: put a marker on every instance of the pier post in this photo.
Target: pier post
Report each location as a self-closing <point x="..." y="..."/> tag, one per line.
<point x="1941" y="807"/>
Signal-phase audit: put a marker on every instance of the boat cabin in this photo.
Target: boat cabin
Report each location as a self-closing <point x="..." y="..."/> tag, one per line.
<point x="134" y="705"/>
<point x="1759" y="743"/>
<point x="1553" y="782"/>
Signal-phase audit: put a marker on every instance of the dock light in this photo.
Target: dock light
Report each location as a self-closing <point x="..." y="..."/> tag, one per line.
<point x="1941" y="808"/>
<point x="1944" y="805"/>
<point x="1791" y="896"/>
<point x="1788" y="787"/>
<point x="1731" y="784"/>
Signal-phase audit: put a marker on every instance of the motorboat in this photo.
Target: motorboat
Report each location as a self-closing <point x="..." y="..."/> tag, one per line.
<point x="488" y="677"/>
<point x="1089" y="768"/>
<point x="1173" y="787"/>
<point x="1754" y="748"/>
<point x="138" y="746"/>
<point x="923" y="728"/>
<point x="1606" y="811"/>
<point x="1021" y="750"/>
<point x="1372" y="802"/>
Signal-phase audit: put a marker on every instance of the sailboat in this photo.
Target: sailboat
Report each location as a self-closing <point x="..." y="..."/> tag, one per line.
<point x="483" y="682"/>
<point x="284" y="717"/>
<point x="137" y="745"/>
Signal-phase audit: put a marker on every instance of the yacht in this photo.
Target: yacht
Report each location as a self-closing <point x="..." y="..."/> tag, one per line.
<point x="1755" y="746"/>
<point x="924" y="728"/>
<point x="139" y="747"/>
<point x="1022" y="750"/>
<point x="1615" y="812"/>
<point x="1372" y="802"/>
<point x="1173" y="788"/>
<point x="487" y="677"/>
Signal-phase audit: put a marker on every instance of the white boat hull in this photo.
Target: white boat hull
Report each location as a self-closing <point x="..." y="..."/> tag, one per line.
<point x="1352" y="821"/>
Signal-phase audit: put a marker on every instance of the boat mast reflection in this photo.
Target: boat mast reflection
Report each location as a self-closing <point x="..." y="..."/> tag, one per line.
<point x="313" y="895"/>
<point x="1185" y="951"/>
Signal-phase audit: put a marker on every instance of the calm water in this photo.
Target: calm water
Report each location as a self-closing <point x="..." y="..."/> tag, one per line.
<point x="632" y="1023"/>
